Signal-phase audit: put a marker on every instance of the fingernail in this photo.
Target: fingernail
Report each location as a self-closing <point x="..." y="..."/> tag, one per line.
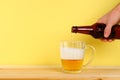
<point x="106" y="35"/>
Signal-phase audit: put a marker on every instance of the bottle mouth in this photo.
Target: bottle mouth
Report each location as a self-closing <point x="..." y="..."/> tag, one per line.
<point x="74" y="29"/>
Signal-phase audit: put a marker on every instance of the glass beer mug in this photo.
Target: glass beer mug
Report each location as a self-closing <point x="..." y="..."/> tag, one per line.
<point x="72" y="55"/>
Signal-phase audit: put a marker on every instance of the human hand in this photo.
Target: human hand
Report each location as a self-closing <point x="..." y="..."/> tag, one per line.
<point x="110" y="19"/>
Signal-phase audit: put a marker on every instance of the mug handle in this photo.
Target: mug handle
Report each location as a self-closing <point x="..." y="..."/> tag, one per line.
<point x="92" y="54"/>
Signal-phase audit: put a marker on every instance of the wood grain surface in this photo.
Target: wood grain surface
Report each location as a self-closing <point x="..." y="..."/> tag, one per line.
<point x="56" y="73"/>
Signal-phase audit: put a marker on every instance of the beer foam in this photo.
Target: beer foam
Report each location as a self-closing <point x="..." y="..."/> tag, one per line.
<point x="72" y="53"/>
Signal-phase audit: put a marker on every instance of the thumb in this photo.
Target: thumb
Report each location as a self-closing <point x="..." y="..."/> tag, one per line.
<point x="107" y="30"/>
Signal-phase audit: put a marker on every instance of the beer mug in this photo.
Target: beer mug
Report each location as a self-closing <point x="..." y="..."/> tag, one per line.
<point x="72" y="55"/>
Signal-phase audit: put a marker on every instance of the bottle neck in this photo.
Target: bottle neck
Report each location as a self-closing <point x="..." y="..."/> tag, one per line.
<point x="82" y="29"/>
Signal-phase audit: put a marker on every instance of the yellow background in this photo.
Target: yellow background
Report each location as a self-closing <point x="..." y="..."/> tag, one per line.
<point x="31" y="30"/>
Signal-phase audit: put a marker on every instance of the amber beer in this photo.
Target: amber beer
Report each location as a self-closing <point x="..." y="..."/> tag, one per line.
<point x="72" y="65"/>
<point x="72" y="55"/>
<point x="72" y="59"/>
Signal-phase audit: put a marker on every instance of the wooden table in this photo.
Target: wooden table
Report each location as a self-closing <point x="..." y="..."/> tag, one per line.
<point x="55" y="73"/>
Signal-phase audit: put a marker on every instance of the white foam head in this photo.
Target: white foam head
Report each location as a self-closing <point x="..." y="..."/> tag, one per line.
<point x="72" y="53"/>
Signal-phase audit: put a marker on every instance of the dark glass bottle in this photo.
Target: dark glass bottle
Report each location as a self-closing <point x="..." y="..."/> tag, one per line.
<point x="97" y="30"/>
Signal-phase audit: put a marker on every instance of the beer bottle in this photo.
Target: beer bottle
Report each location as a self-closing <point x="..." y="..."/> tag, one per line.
<point x="97" y="30"/>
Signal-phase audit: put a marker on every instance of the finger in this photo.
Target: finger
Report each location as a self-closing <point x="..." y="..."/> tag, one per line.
<point x="107" y="30"/>
<point x="110" y="40"/>
<point x="104" y="40"/>
<point x="107" y="40"/>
